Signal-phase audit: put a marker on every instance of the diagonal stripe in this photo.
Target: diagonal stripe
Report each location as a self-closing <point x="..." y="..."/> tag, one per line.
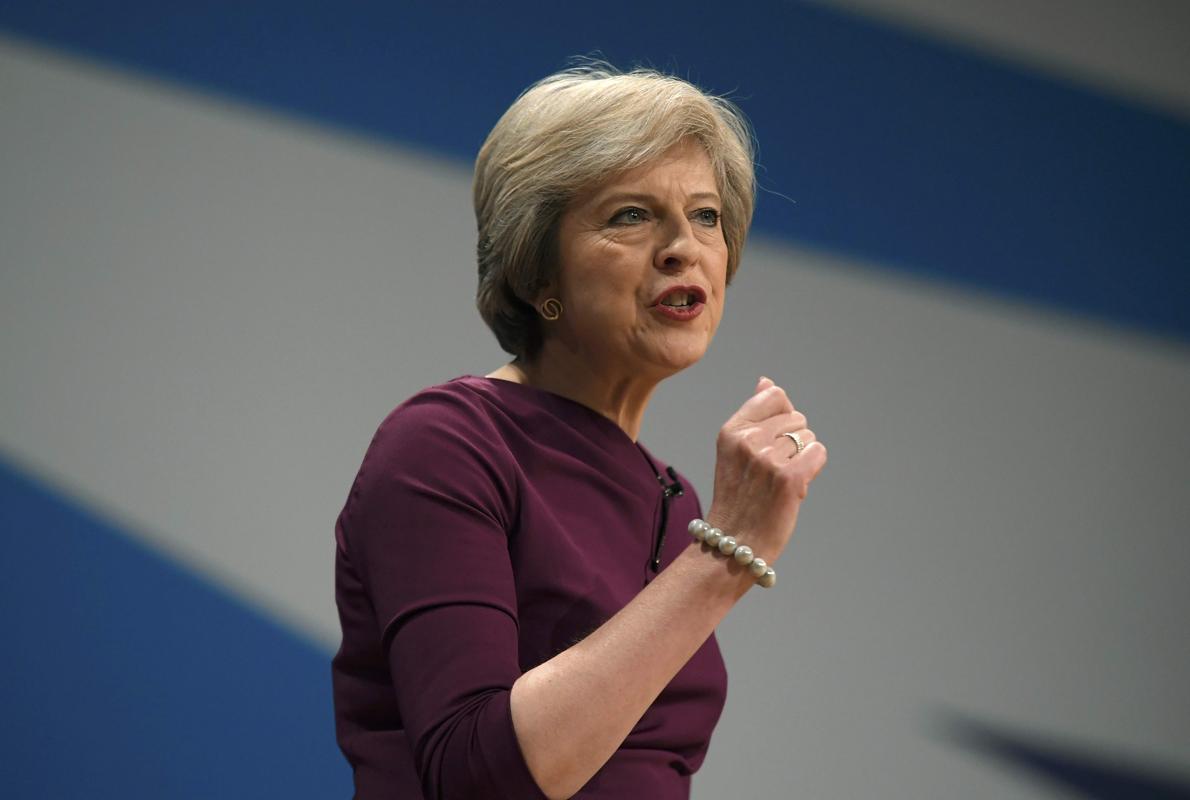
<point x="896" y="149"/>
<point x="123" y="671"/>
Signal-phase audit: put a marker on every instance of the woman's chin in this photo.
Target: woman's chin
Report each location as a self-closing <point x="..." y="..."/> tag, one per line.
<point x="674" y="360"/>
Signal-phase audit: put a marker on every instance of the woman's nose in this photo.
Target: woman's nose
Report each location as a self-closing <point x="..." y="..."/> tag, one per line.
<point x="678" y="249"/>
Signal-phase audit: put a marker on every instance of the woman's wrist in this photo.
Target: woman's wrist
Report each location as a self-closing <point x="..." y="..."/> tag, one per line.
<point x="716" y="576"/>
<point x="733" y="551"/>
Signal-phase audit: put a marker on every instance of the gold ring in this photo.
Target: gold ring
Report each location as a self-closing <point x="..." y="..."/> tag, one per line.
<point x="797" y="440"/>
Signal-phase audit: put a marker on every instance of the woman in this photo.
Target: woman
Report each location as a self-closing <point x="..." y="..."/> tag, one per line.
<point x="524" y="613"/>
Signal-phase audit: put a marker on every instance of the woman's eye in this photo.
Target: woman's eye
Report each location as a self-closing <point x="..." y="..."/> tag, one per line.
<point x="707" y="216"/>
<point x="629" y="216"/>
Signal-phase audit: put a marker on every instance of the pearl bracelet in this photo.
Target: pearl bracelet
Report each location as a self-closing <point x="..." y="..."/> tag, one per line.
<point x="701" y="530"/>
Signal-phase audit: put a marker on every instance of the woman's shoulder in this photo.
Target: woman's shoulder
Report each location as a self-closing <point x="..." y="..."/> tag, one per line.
<point x="455" y="401"/>
<point x="441" y="439"/>
<point x="439" y="417"/>
<point x="493" y="409"/>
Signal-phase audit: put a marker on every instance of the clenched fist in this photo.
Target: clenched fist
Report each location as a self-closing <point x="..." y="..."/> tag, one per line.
<point x="760" y="478"/>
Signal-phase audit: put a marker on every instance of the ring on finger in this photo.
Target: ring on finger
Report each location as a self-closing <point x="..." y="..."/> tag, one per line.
<point x="797" y="440"/>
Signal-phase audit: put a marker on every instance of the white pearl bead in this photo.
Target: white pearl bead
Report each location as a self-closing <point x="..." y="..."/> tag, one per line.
<point x="727" y="545"/>
<point x="713" y="536"/>
<point x="768" y="579"/>
<point x="698" y="528"/>
<point x="743" y="554"/>
<point x="758" y="566"/>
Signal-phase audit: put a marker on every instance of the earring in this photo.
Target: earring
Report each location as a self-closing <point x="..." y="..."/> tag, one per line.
<point x="551" y="309"/>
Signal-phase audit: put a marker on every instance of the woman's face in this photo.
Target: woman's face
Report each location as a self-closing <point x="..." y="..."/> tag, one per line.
<point x="623" y="246"/>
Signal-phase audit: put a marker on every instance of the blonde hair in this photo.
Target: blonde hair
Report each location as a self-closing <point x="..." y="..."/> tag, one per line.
<point x="569" y="131"/>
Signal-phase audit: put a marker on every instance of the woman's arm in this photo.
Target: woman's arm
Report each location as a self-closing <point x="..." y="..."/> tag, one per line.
<point x="572" y="712"/>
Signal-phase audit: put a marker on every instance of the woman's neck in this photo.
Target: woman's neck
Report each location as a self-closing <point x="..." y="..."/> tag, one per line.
<point x="622" y="398"/>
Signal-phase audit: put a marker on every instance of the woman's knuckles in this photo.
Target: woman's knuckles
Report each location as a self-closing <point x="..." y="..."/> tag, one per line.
<point x="731" y="433"/>
<point x="758" y="475"/>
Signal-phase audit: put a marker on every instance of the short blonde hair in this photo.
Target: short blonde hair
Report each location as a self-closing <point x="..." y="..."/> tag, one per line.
<point x="572" y="130"/>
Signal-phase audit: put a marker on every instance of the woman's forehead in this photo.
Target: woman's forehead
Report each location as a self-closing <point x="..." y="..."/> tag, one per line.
<point x="684" y="169"/>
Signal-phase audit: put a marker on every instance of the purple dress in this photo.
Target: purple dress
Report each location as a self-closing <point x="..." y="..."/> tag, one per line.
<point x="491" y="526"/>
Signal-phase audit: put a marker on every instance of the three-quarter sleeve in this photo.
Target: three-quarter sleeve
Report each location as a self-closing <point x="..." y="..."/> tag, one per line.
<point x="426" y="527"/>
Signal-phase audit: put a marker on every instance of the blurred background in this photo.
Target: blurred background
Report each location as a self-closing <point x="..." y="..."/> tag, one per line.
<point x="233" y="236"/>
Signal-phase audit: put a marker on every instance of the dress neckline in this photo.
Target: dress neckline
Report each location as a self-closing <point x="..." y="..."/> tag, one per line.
<point x="555" y="397"/>
<point x="566" y="402"/>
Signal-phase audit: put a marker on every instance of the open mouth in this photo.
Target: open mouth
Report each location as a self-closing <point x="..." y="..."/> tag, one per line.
<point x="679" y="297"/>
<point x="681" y="303"/>
<point x="679" y="300"/>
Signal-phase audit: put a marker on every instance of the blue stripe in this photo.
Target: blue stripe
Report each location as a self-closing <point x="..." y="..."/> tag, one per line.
<point x="1072" y="769"/>
<point x="125" y="676"/>
<point x="897" y="149"/>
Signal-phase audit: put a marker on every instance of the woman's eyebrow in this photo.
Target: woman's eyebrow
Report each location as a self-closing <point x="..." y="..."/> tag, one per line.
<point x="628" y="197"/>
<point x="650" y="199"/>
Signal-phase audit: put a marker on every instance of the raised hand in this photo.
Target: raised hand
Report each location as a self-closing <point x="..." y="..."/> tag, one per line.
<point x="760" y="478"/>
